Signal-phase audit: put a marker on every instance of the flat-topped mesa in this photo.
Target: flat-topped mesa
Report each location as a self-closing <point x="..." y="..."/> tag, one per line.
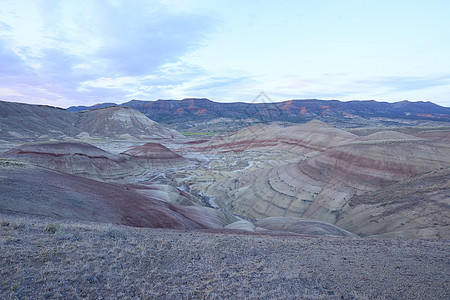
<point x="154" y="155"/>
<point x="116" y="121"/>
<point x="76" y="158"/>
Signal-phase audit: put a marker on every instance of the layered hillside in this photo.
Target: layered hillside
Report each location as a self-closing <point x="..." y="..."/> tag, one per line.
<point x="292" y="225"/>
<point x="154" y="155"/>
<point x="122" y="122"/>
<point x="415" y="207"/>
<point x="319" y="185"/>
<point x="305" y="138"/>
<point x="76" y="158"/>
<point x="32" y="190"/>
<point x="24" y="122"/>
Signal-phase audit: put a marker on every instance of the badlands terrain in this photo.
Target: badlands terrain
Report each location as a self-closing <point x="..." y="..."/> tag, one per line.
<point x="108" y="203"/>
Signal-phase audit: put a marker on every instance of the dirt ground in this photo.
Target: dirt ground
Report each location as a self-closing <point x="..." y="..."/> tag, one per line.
<point x="53" y="259"/>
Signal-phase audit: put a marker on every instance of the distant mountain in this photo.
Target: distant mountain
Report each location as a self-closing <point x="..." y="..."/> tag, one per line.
<point x="95" y="106"/>
<point x="117" y="121"/>
<point x="20" y="121"/>
<point x="194" y="109"/>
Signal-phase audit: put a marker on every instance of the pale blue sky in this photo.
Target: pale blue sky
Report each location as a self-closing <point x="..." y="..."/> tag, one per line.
<point x="66" y="53"/>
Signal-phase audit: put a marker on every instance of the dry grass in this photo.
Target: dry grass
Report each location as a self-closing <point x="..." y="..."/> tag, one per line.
<point x="42" y="259"/>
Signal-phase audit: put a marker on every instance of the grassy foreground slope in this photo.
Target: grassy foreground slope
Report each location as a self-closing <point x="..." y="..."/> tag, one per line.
<point x="41" y="259"/>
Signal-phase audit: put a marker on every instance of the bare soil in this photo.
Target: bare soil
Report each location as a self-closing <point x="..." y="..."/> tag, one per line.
<point x="45" y="259"/>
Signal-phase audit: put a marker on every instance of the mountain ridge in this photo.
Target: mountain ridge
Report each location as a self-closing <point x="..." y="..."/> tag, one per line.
<point x="19" y="121"/>
<point x="295" y="110"/>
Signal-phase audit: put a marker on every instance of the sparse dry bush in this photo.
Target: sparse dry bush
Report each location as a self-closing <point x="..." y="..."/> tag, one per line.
<point x="53" y="228"/>
<point x="49" y="254"/>
<point x="115" y="233"/>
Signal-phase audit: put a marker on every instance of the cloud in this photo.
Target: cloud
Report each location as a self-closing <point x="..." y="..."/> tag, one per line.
<point x="137" y="40"/>
<point x="11" y="63"/>
<point x="405" y="83"/>
<point x="78" y="43"/>
<point x="209" y="83"/>
<point x="4" y="27"/>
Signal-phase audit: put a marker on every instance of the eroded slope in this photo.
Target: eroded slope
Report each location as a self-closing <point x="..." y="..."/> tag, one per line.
<point x="76" y="158"/>
<point x="416" y="207"/>
<point x="33" y="190"/>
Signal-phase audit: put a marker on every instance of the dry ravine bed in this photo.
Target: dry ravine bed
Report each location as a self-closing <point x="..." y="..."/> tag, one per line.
<point x="54" y="259"/>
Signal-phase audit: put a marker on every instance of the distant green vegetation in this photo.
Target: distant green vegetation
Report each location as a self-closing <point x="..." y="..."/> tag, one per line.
<point x="197" y="133"/>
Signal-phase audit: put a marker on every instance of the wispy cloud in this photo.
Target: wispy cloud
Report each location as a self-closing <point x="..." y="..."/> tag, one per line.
<point x="405" y="83"/>
<point x="139" y="41"/>
<point x="83" y="52"/>
<point x="11" y="63"/>
<point x="78" y="44"/>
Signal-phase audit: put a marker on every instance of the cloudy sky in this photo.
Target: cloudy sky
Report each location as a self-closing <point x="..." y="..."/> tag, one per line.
<point x="65" y="53"/>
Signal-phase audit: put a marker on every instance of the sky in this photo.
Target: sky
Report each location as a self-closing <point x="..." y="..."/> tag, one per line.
<point x="83" y="52"/>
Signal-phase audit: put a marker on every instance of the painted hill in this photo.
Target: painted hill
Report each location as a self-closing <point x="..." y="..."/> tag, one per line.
<point x="122" y="122"/>
<point x="318" y="187"/>
<point x="291" y="224"/>
<point x="76" y="158"/>
<point x="415" y="207"/>
<point x="320" y="183"/>
<point x="305" y="138"/>
<point x="60" y="195"/>
<point x="302" y="226"/>
<point x="154" y="155"/>
<point x="25" y="122"/>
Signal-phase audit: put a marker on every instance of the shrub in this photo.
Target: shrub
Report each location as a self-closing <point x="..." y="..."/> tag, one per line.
<point x="53" y="228"/>
<point x="115" y="233"/>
